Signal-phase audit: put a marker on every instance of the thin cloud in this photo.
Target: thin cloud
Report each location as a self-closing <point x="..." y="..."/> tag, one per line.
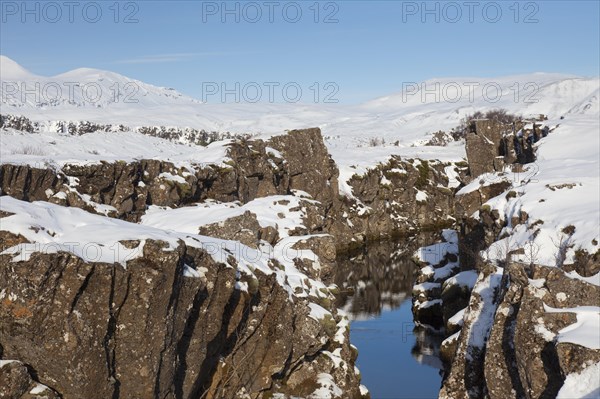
<point x="175" y="57"/>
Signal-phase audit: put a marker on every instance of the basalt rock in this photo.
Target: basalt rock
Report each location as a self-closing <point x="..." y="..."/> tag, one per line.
<point x="398" y="198"/>
<point x="243" y="228"/>
<point x="95" y="330"/>
<point x="16" y="382"/>
<point x="520" y="358"/>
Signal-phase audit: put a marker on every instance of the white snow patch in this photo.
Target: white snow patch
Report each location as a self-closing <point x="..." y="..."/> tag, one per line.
<point x="583" y="385"/>
<point x="585" y="331"/>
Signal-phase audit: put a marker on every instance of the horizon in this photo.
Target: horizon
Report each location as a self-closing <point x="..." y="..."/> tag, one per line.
<point x="382" y="96"/>
<point x="354" y="51"/>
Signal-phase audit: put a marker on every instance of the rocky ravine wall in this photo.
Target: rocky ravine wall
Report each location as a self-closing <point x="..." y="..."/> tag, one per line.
<point x="386" y="202"/>
<point x="91" y="330"/>
<point x="500" y="340"/>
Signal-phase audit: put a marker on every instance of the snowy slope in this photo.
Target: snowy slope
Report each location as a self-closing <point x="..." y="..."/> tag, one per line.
<point x="403" y="120"/>
<point x="58" y="149"/>
<point x="561" y="189"/>
<point x="405" y="116"/>
<point x="81" y="88"/>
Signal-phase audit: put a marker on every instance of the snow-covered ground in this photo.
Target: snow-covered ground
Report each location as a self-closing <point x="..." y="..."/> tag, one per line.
<point x="561" y="194"/>
<point x="51" y="228"/>
<point x="398" y="124"/>
<point x="561" y="189"/>
<point x="59" y="149"/>
<point x="584" y="385"/>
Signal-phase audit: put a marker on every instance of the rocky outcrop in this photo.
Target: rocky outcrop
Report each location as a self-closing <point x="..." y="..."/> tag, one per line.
<point x="178" y="323"/>
<point x="16" y="382"/>
<point x="490" y="147"/>
<point x="520" y="357"/>
<point x="78" y="128"/>
<point x="100" y="330"/>
<point x="483" y="145"/>
<point x="399" y="197"/>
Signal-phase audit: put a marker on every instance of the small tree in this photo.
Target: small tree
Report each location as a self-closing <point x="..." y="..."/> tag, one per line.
<point x="532" y="252"/>
<point x="562" y="242"/>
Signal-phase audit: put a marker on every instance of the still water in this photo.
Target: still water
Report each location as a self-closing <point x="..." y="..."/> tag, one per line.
<point x="396" y="360"/>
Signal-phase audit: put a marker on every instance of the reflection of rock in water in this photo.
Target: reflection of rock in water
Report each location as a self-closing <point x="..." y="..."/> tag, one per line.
<point x="380" y="277"/>
<point x="427" y="347"/>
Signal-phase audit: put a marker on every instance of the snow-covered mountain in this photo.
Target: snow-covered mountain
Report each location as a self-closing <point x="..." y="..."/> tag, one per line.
<point x="80" y="89"/>
<point x="406" y="116"/>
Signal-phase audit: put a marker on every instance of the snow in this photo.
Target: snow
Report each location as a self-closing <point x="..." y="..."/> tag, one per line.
<point x="482" y="309"/>
<point x="50" y="228"/>
<point x="484" y="180"/>
<point x="404" y="117"/>
<point x="363" y="390"/>
<point x="428" y="304"/>
<point x="273" y="211"/>
<point x="453" y="177"/>
<point x="595" y="279"/>
<point x="451" y="339"/>
<point x="421" y="196"/>
<point x="342" y="327"/>
<point x="170" y="177"/>
<point x="58" y="149"/>
<point x="317" y="312"/>
<point x="188" y="271"/>
<point x="328" y="389"/>
<point x="457" y="319"/>
<point x="400" y="123"/>
<point x="426" y="286"/>
<point x="544" y="332"/>
<point x="5" y="362"/>
<point x="583" y="385"/>
<point x="585" y="331"/>
<point x="434" y="254"/>
<point x="466" y="279"/>
<point x="38" y="389"/>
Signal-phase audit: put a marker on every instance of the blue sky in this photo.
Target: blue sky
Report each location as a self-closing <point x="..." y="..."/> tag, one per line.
<point x="368" y="48"/>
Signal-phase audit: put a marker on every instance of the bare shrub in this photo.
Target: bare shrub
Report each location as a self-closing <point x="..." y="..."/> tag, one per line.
<point x="376" y="142"/>
<point x="29" y="150"/>
<point x="562" y="242"/>
<point x="500" y="115"/>
<point x="532" y="252"/>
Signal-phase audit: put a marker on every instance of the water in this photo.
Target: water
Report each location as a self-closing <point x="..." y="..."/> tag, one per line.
<point x="396" y="360"/>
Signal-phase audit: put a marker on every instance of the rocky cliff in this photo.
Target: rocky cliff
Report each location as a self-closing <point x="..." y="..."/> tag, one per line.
<point x="508" y="320"/>
<point x="176" y="322"/>
<point x="181" y="315"/>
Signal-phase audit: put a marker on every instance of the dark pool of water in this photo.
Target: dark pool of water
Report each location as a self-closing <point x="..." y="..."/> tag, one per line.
<point x="396" y="359"/>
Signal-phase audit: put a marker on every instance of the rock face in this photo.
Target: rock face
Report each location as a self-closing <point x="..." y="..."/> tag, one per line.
<point x="151" y="330"/>
<point x="99" y="330"/>
<point x="490" y="147"/>
<point x="519" y="358"/>
<point x="397" y="198"/>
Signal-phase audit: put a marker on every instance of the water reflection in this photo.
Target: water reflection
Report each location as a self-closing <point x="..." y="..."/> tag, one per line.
<point x="375" y="290"/>
<point x="376" y="279"/>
